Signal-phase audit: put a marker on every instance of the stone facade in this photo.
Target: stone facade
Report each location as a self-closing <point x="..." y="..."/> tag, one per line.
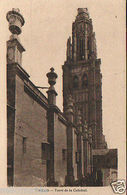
<point x="47" y="147"/>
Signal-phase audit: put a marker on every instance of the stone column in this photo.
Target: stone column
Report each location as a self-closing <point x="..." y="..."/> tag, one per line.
<point x="92" y="105"/>
<point x="69" y="49"/>
<point x="74" y="43"/>
<point x="50" y="114"/>
<point x="14" y="58"/>
<point x="86" y="45"/>
<point x="85" y="150"/>
<point x="69" y="116"/>
<point x="79" y="129"/>
<point x="69" y="111"/>
<point x="90" y="143"/>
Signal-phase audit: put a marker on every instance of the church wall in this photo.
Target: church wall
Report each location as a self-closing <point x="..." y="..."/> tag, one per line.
<point x="30" y="128"/>
<point x="10" y="122"/>
<point x="60" y="147"/>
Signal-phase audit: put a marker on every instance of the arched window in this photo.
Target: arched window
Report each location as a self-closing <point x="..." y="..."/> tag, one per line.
<point x="75" y="82"/>
<point x="84" y="81"/>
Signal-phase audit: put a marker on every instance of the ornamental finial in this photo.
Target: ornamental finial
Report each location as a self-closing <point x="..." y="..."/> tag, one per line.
<point x="16" y="21"/>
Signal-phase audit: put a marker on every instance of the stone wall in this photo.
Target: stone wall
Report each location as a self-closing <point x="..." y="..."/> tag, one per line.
<point x="31" y="126"/>
<point x="60" y="150"/>
<point x="10" y="122"/>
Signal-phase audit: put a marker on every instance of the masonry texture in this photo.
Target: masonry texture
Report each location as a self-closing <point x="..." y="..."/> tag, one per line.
<point x="48" y="147"/>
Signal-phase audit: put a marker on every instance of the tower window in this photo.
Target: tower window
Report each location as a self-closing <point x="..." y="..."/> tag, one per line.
<point x="84" y="81"/>
<point x="75" y="82"/>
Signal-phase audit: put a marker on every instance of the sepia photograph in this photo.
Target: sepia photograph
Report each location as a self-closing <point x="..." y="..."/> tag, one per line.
<point x="64" y="94"/>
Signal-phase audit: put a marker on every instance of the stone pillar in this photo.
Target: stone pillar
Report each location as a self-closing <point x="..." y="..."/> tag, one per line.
<point x="69" y="49"/>
<point x="69" y="111"/>
<point x="85" y="149"/>
<point x="14" y="58"/>
<point x="90" y="143"/>
<point x="86" y="41"/>
<point x="79" y="144"/>
<point x="93" y="46"/>
<point x="51" y="125"/>
<point x="92" y="105"/>
<point x="69" y="180"/>
<point x="74" y="43"/>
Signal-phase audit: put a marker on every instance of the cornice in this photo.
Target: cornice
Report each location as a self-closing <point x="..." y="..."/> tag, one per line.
<point x="35" y="96"/>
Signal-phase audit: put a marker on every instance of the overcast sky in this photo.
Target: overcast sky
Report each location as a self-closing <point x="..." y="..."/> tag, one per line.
<point x="48" y="24"/>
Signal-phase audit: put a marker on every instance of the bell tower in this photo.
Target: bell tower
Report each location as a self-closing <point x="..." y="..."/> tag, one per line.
<point x="82" y="76"/>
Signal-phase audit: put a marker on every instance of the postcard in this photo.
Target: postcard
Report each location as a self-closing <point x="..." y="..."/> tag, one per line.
<point x="62" y="97"/>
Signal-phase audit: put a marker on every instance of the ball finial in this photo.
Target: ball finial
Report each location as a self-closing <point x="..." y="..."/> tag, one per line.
<point x="52" y="77"/>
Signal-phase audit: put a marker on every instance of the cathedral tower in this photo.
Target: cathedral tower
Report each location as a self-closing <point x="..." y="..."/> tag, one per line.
<point x="82" y="76"/>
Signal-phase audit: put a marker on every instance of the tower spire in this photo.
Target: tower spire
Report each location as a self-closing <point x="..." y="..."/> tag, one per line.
<point x="83" y="37"/>
<point x="82" y="75"/>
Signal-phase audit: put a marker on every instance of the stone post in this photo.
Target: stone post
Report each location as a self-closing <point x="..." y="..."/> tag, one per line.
<point x="74" y="45"/>
<point x="69" y="49"/>
<point x="85" y="139"/>
<point x="14" y="58"/>
<point x="69" y="111"/>
<point x="79" y="145"/>
<point x="69" y="180"/>
<point x="92" y="105"/>
<point x="51" y="126"/>
<point x="86" y="42"/>
<point x="90" y="143"/>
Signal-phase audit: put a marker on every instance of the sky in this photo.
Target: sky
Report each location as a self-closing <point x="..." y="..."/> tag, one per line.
<point x="48" y="24"/>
